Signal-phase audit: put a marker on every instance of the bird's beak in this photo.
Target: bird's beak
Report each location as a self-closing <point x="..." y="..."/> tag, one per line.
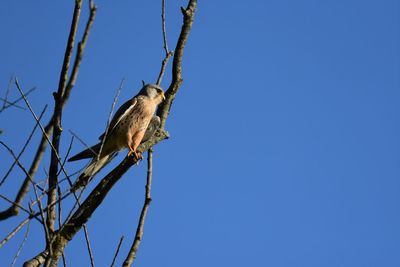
<point x="162" y="96"/>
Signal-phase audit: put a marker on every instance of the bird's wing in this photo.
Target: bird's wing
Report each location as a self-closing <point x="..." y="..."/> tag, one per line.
<point x="119" y="115"/>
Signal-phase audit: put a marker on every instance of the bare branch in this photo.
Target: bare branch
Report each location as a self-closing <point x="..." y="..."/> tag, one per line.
<point x="7" y="103"/>
<point x="10" y="104"/>
<point x="62" y="96"/>
<point x="147" y="200"/>
<point x="17" y="205"/>
<point x="116" y="252"/>
<point x="163" y="67"/>
<point x="188" y="16"/>
<point x="48" y="129"/>
<point x="164" y="27"/>
<point x="58" y="107"/>
<point x="21" y="246"/>
<point x="6" y="95"/>
<point x="88" y="245"/>
<point x="24" y="147"/>
<point x="13" y="210"/>
<point x="48" y="227"/>
<point x="66" y="155"/>
<point x="47" y="231"/>
<point x="96" y="197"/>
<point x="37" y="260"/>
<point x="168" y="53"/>
<point x="35" y="215"/>
<point x="13" y="103"/>
<point x="54" y="150"/>
<point x="79" y="54"/>
<point x="16" y="230"/>
<point x="64" y="260"/>
<point x="34" y="187"/>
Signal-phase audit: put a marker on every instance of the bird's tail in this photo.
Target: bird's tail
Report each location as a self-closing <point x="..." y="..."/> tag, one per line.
<point x="91" y="170"/>
<point x="87" y="153"/>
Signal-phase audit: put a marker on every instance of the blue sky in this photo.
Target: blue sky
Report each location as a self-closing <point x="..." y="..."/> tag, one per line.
<point x="284" y="147"/>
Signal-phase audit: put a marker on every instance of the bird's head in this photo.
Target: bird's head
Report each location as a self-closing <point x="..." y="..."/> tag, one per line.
<point x="154" y="92"/>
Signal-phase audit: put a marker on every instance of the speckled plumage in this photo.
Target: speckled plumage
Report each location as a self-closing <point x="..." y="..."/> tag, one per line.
<point x="126" y="130"/>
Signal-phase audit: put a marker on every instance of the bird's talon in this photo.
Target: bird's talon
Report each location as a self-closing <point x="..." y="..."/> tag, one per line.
<point x="138" y="156"/>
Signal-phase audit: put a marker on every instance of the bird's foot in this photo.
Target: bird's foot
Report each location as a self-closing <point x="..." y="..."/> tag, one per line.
<point x="138" y="156"/>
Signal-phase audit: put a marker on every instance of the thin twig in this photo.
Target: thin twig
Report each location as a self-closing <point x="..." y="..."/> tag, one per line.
<point x="19" y="206"/>
<point x="34" y="189"/>
<point x="88" y="245"/>
<point x="81" y="141"/>
<point x="44" y="182"/>
<point x="168" y="53"/>
<point x="116" y="252"/>
<point x="54" y="150"/>
<point x="98" y="194"/>
<point x="12" y="211"/>
<point x="13" y="232"/>
<point x="49" y="225"/>
<point x="188" y="16"/>
<point x="24" y="188"/>
<point x="66" y="155"/>
<point x="7" y="92"/>
<point x="64" y="90"/>
<point x="7" y="103"/>
<point x="96" y="197"/>
<point x="46" y="229"/>
<point x="79" y="53"/>
<point x="163" y="67"/>
<point x="10" y="104"/>
<point x="13" y="103"/>
<point x="164" y="28"/>
<point x="21" y="246"/>
<point x="34" y="202"/>
<point x="35" y="215"/>
<point x="60" y="216"/>
<point x="24" y="147"/>
<point x="64" y="259"/>
<point x="147" y="200"/>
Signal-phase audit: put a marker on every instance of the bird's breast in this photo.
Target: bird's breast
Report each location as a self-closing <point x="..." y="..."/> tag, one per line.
<point x="135" y="121"/>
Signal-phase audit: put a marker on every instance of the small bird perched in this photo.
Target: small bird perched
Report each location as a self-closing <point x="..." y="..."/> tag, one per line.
<point x="128" y="128"/>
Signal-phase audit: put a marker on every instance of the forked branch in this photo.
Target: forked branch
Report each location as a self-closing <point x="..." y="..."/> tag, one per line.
<point x="96" y="197"/>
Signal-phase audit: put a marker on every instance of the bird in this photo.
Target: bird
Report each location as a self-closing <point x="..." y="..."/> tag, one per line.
<point x="133" y="123"/>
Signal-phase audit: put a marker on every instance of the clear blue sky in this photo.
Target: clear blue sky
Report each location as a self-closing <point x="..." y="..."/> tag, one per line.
<point x="284" y="147"/>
